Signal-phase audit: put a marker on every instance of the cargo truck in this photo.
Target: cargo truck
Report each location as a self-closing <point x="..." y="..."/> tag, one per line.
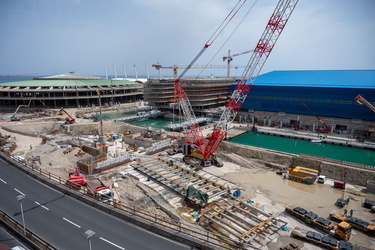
<point x="353" y="221"/>
<point x="302" y="174"/>
<point x="341" y="231"/>
<point x="325" y="241"/>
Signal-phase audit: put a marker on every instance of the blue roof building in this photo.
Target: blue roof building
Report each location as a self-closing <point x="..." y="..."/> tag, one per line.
<point x="326" y="92"/>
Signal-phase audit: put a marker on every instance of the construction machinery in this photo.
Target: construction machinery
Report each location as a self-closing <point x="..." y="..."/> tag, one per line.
<point x="201" y="151"/>
<point x="229" y="58"/>
<point x="94" y="187"/>
<point x="363" y="101"/>
<point x="69" y="119"/>
<point x="325" y="241"/>
<point x="175" y="67"/>
<point x="302" y="174"/>
<point x="325" y="128"/>
<point x="341" y="231"/>
<point x="13" y="118"/>
<point x="353" y="221"/>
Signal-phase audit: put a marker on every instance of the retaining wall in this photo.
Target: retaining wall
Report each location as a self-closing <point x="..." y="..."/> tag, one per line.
<point x="355" y="175"/>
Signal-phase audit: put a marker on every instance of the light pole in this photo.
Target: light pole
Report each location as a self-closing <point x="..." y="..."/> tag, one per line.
<point x="20" y="198"/>
<point x="88" y="234"/>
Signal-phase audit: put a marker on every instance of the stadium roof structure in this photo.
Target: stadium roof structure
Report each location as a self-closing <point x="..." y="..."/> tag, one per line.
<point x="319" y="78"/>
<point x="68" y="76"/>
<point x="68" y="80"/>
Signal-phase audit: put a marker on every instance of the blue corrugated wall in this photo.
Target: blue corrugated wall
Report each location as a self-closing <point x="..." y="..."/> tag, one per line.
<point x="323" y="101"/>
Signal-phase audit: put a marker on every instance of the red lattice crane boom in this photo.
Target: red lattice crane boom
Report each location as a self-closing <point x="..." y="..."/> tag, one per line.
<point x="261" y="52"/>
<point x="201" y="150"/>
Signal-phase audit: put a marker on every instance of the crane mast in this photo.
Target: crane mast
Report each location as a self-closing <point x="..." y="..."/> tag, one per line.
<point x="229" y="58"/>
<point x="261" y="52"/>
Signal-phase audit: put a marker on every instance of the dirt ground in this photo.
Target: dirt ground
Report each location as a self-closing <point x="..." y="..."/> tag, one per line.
<point x="257" y="182"/>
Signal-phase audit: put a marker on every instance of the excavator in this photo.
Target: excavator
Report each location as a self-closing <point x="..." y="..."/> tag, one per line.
<point x="198" y="152"/>
<point x="69" y="119"/>
<point x="14" y="118"/>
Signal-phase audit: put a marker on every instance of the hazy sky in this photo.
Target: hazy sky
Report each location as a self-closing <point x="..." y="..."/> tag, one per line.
<point x="57" y="36"/>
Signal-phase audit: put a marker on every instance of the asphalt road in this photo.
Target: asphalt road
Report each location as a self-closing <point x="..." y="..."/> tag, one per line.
<point x="7" y="241"/>
<point x="62" y="220"/>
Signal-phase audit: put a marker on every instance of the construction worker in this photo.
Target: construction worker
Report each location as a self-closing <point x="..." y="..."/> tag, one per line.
<point x="345" y="212"/>
<point x="351" y="213"/>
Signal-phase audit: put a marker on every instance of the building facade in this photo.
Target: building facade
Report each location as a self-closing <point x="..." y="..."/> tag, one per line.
<point x="288" y="97"/>
<point x="206" y="94"/>
<point x="69" y="90"/>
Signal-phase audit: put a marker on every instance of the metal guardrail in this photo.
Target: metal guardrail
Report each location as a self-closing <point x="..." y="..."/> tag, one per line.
<point x="208" y="238"/>
<point x="29" y="236"/>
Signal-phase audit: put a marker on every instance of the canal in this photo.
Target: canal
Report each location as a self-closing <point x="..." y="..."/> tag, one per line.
<point x="297" y="146"/>
<point x="277" y="143"/>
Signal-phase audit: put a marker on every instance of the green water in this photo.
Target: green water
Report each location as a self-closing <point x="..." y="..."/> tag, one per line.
<point x="119" y="114"/>
<point x="285" y="144"/>
<point x="159" y="122"/>
<point x="297" y="146"/>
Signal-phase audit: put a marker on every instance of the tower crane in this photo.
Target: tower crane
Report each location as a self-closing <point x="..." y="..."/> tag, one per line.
<point x="175" y="67"/>
<point x="199" y="149"/>
<point x="229" y="58"/>
<point x="363" y="101"/>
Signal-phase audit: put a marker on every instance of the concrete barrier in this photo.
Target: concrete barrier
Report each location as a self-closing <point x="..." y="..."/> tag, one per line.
<point x="355" y="174"/>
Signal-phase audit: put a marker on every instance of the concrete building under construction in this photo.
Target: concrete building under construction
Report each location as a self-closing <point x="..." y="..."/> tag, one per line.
<point x="69" y="90"/>
<point x="206" y="94"/>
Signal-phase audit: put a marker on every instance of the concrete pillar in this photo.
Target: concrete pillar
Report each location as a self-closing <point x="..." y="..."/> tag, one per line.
<point x="314" y="127"/>
<point x="281" y="124"/>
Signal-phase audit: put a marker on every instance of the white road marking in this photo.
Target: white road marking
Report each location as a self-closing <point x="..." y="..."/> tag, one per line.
<point x="19" y="191"/>
<point x="72" y="223"/>
<point x="3" y="181"/>
<point x="46" y="208"/>
<point x="112" y="243"/>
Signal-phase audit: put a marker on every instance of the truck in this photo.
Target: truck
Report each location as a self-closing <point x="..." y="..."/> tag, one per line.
<point x="325" y="241"/>
<point x="99" y="191"/>
<point x="94" y="187"/>
<point x="354" y="222"/>
<point x="341" y="231"/>
<point x="302" y="174"/>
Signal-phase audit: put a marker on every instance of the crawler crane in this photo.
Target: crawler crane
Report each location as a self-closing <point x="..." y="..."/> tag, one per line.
<point x="201" y="153"/>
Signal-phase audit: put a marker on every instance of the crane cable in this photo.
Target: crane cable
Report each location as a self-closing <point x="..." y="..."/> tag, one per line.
<point x="251" y="8"/>
<point x="218" y="31"/>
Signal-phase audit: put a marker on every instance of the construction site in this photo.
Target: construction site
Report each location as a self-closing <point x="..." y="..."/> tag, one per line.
<point x="192" y="181"/>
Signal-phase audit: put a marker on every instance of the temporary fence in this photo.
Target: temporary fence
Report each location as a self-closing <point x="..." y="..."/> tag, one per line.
<point x="160" y="145"/>
<point x="112" y="162"/>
